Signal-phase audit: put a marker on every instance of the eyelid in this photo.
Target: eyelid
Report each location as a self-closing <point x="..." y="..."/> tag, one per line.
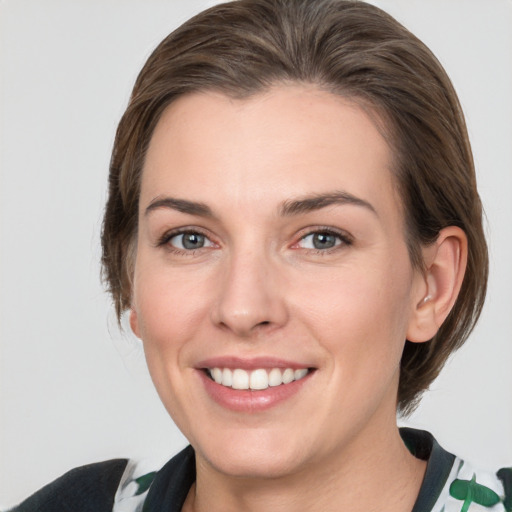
<point x="337" y="241"/>
<point x="171" y="233"/>
<point x="344" y="237"/>
<point x="173" y="241"/>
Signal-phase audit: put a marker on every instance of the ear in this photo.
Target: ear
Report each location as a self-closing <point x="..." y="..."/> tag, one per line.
<point x="445" y="264"/>
<point x="134" y="322"/>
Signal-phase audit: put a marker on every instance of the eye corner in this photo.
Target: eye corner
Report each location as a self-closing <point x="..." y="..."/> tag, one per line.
<point x="323" y="239"/>
<point x="188" y="240"/>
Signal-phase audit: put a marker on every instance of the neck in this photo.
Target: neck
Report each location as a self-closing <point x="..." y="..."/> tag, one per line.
<point x="376" y="472"/>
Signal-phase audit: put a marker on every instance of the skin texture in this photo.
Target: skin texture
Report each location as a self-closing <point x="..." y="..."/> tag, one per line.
<point x="259" y="288"/>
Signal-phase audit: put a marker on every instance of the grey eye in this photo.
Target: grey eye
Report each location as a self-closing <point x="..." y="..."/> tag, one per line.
<point x="320" y="240"/>
<point x="190" y="241"/>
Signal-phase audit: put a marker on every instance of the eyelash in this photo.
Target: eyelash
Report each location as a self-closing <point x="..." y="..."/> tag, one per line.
<point x="344" y="240"/>
<point x="164" y="240"/>
<point x="343" y="237"/>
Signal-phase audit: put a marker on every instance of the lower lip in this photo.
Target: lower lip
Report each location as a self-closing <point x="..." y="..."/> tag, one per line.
<point x="248" y="400"/>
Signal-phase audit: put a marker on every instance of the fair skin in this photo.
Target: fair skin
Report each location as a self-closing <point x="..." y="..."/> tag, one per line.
<point x="241" y="266"/>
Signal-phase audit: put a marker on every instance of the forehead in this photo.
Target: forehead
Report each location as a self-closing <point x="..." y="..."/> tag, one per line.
<point x="288" y="141"/>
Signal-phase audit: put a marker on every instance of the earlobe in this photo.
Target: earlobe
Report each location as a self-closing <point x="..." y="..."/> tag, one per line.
<point x="134" y="322"/>
<point x="445" y="263"/>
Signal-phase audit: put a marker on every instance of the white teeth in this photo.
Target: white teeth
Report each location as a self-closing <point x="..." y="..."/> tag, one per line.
<point x="257" y="379"/>
<point x="275" y="377"/>
<point x="288" y="376"/>
<point x="240" y="379"/>
<point x="299" y="374"/>
<point x="217" y="375"/>
<point x="227" y="377"/>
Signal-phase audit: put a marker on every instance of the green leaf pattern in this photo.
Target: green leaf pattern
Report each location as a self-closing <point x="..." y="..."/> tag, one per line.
<point x="144" y="482"/>
<point x="472" y="492"/>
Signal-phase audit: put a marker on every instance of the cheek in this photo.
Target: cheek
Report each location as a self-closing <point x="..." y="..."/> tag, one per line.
<point x="169" y="306"/>
<point x="170" y="311"/>
<point x="359" y="310"/>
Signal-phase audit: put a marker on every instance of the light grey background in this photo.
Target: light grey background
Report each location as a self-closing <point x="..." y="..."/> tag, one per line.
<point x="72" y="389"/>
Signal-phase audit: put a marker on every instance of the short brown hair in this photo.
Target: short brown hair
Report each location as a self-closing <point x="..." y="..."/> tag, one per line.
<point x="349" y="48"/>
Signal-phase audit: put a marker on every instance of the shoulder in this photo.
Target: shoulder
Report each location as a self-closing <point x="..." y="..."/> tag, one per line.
<point x="473" y="489"/>
<point x="119" y="485"/>
<point x="156" y="490"/>
<point x="454" y="485"/>
<point x="89" y="488"/>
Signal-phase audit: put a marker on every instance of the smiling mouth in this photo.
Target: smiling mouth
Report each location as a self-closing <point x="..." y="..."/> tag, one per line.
<point x="258" y="379"/>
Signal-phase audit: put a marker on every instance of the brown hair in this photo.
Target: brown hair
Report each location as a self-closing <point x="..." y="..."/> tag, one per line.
<point x="349" y="48"/>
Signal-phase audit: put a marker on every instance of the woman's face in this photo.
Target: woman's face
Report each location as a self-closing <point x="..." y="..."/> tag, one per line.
<point x="271" y="247"/>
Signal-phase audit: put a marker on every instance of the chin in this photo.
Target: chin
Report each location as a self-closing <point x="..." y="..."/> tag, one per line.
<point x="254" y="455"/>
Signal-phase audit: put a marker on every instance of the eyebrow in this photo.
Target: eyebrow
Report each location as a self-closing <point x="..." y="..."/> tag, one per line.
<point x="181" y="205"/>
<point x="319" y="201"/>
<point x="288" y="208"/>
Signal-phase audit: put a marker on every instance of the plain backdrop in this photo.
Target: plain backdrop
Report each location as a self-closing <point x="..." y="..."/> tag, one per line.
<point x="73" y="390"/>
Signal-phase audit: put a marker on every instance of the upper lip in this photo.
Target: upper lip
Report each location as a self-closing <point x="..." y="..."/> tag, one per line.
<point x="253" y="363"/>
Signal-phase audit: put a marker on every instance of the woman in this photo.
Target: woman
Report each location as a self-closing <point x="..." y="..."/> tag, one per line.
<point x="294" y="227"/>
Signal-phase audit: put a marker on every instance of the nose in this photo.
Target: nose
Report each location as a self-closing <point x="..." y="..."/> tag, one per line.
<point x="251" y="296"/>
